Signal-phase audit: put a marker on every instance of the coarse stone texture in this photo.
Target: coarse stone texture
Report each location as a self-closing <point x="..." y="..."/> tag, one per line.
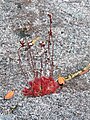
<point x="71" y="33"/>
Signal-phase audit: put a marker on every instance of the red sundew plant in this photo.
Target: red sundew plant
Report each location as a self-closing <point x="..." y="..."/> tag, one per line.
<point x="41" y="86"/>
<point x="41" y="63"/>
<point x="40" y="59"/>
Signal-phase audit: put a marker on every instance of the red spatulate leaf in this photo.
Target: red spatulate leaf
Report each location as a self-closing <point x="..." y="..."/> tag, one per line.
<point x="41" y="86"/>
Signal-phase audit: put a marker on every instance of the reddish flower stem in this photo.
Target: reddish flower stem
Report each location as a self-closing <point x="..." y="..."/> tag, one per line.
<point x="29" y="63"/>
<point x="52" y="64"/>
<point x="32" y="62"/>
<point x="21" y="65"/>
<point x="52" y="43"/>
<point x="45" y="61"/>
<point x="50" y="33"/>
<point x="41" y="69"/>
<point x="36" y="74"/>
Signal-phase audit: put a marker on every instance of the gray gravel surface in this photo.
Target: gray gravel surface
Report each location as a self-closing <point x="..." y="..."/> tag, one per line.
<point x="71" y="33"/>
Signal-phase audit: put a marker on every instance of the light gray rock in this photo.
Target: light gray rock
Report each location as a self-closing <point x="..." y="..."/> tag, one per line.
<point x="71" y="33"/>
<point x="6" y="117"/>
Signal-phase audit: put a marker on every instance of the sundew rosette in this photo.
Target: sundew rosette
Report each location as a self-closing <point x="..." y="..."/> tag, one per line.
<point x="41" y="86"/>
